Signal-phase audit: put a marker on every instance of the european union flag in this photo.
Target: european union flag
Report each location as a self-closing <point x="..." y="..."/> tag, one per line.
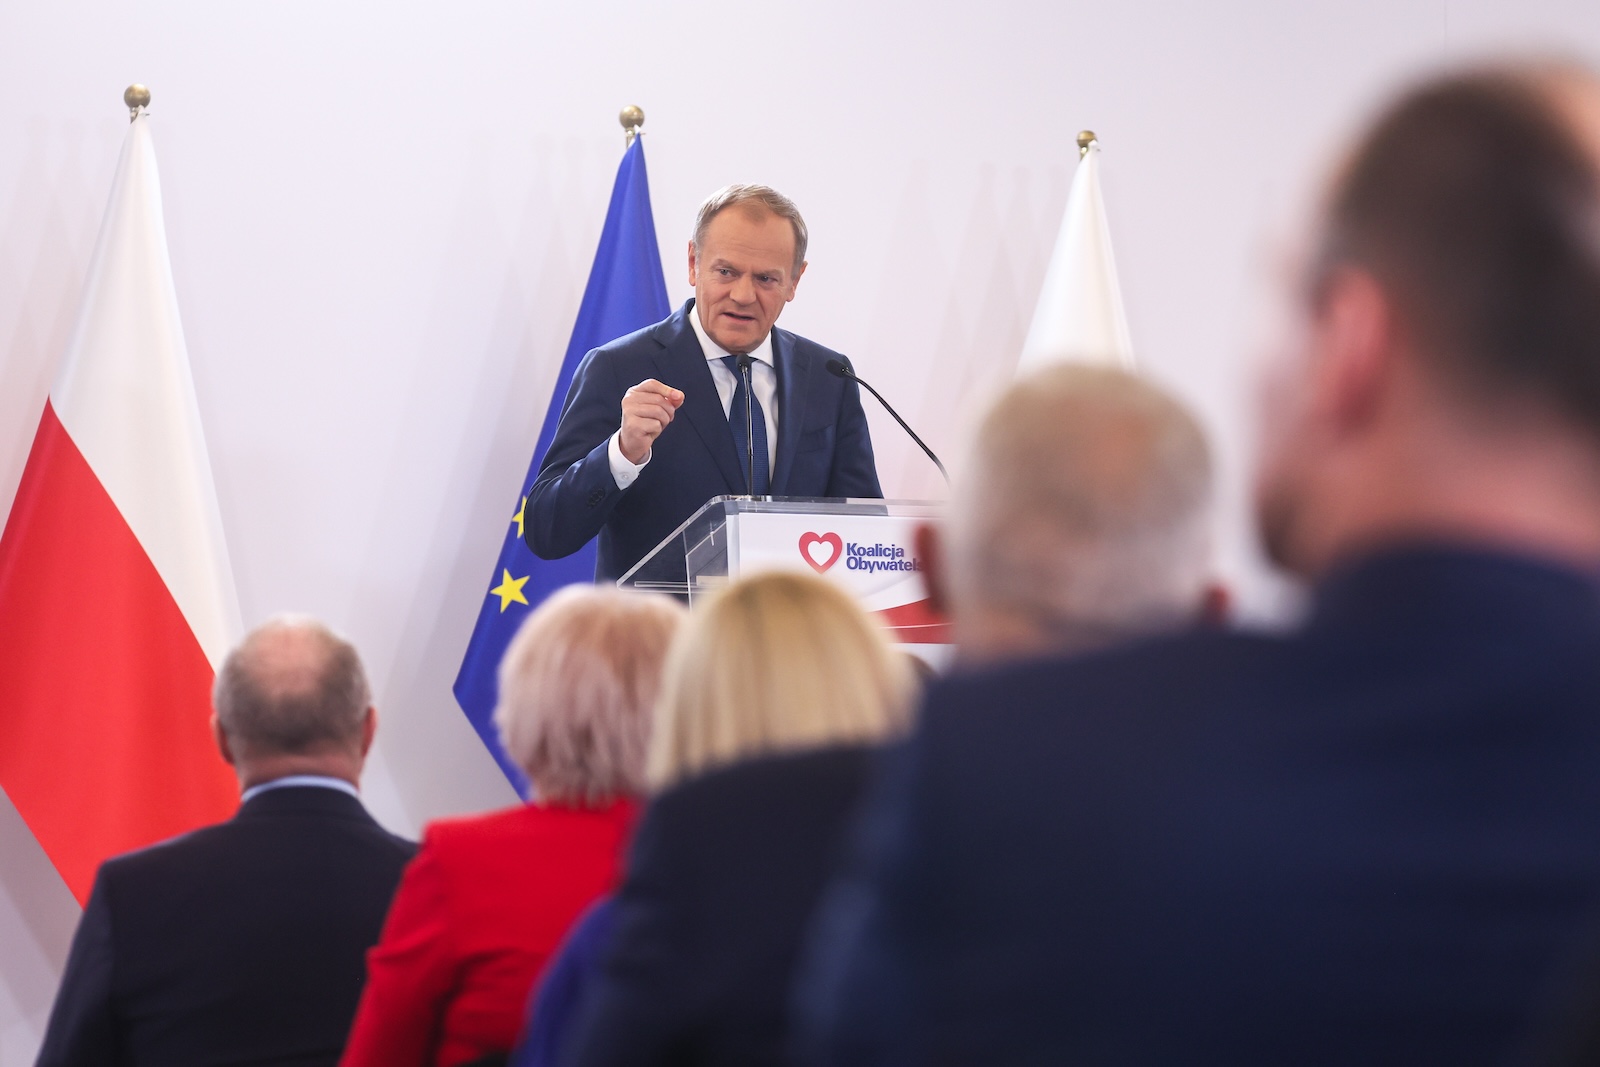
<point x="626" y="292"/>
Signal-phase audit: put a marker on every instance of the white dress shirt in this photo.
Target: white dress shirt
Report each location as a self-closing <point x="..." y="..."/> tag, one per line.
<point x="290" y="781"/>
<point x="763" y="383"/>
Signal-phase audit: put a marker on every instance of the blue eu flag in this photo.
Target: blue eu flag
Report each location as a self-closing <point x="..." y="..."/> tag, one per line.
<point x="626" y="292"/>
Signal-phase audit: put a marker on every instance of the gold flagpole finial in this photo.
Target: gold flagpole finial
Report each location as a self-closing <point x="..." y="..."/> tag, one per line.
<point x="1086" y="140"/>
<point x="136" y="97"/>
<point x="632" y="119"/>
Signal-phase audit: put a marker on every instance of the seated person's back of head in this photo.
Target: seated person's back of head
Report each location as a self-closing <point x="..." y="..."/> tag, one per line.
<point x="1080" y="516"/>
<point x="489" y="897"/>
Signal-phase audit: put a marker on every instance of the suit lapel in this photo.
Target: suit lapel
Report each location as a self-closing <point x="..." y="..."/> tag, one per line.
<point x="793" y="378"/>
<point x="683" y="366"/>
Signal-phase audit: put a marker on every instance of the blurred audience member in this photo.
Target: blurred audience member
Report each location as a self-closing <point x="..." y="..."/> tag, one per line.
<point x="489" y="898"/>
<point x="1081" y="517"/>
<point x="776" y="694"/>
<point x="1371" y="840"/>
<point x="243" y="942"/>
<point x="568" y="979"/>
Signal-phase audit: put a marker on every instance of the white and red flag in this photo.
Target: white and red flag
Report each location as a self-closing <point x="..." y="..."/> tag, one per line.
<point x="116" y="598"/>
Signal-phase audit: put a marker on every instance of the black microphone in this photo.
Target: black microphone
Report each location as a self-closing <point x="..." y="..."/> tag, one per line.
<point x="840" y="369"/>
<point x="745" y="360"/>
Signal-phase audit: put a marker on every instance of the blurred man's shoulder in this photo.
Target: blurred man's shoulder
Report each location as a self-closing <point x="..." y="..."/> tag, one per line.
<point x="181" y="850"/>
<point x="199" y="849"/>
<point x="479" y="829"/>
<point x="1193" y="664"/>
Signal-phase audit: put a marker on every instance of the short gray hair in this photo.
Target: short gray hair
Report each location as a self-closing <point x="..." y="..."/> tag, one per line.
<point x="1084" y="506"/>
<point x="578" y="688"/>
<point x="292" y="687"/>
<point x="747" y="196"/>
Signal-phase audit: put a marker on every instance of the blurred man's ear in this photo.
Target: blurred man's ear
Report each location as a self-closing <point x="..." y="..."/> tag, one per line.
<point x="222" y="742"/>
<point x="928" y="543"/>
<point x="1355" y="340"/>
<point x="1216" y="606"/>
<point x="369" y="730"/>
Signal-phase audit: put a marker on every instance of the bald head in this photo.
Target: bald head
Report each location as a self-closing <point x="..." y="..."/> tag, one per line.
<point x="1082" y="515"/>
<point x="292" y="688"/>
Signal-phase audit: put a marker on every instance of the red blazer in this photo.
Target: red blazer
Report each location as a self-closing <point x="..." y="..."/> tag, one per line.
<point x="479" y="913"/>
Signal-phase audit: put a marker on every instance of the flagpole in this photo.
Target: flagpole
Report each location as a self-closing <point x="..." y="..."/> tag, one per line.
<point x="632" y="119"/>
<point x="626" y="292"/>
<point x="118" y="476"/>
<point x="1079" y="314"/>
<point x="137" y="97"/>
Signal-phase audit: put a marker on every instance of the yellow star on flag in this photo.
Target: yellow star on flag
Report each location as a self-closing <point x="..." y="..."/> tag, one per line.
<point x="509" y="589"/>
<point x="520" y="517"/>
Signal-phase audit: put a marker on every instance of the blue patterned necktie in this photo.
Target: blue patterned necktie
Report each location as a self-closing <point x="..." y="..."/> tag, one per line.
<point x="741" y="441"/>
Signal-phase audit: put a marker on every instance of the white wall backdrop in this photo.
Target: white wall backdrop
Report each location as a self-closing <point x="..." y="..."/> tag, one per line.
<point x="381" y="218"/>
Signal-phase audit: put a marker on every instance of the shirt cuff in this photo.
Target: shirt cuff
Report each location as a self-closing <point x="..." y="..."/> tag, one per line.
<point x="623" y="472"/>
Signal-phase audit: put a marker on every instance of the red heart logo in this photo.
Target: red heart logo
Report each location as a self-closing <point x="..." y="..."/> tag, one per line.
<point x="810" y="539"/>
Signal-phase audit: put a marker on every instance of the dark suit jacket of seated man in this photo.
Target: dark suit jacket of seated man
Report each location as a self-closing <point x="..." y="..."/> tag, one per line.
<point x="823" y="447"/>
<point x="249" y="936"/>
<point x="243" y="942"/>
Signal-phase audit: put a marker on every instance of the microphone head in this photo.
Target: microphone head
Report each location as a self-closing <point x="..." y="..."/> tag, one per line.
<point x="837" y="368"/>
<point x="746" y="360"/>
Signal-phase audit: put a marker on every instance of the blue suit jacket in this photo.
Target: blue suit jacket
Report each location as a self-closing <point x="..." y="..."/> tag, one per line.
<point x="823" y="447"/>
<point x="1375" y="840"/>
<point x="559" y="994"/>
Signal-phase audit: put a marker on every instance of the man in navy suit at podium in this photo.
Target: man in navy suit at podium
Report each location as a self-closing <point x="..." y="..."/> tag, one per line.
<point x="655" y="423"/>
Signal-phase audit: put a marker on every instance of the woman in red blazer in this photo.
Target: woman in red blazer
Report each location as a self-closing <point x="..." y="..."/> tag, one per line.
<point x="488" y="899"/>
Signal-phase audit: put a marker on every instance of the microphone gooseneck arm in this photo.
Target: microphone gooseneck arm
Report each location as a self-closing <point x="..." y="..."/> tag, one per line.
<point x="840" y="369"/>
<point x="749" y="425"/>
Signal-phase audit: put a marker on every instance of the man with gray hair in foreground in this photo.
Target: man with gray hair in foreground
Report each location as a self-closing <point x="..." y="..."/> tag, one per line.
<point x="245" y="941"/>
<point x="1108" y="540"/>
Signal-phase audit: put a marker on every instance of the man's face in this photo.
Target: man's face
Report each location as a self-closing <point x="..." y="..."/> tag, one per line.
<point x="743" y="272"/>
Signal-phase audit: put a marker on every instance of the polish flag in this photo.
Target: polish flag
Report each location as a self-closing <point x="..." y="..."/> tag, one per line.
<point x="1079" y="317"/>
<point x="116" y="598"/>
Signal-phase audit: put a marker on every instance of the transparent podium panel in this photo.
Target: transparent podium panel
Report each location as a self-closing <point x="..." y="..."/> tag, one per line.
<point x="867" y="547"/>
<point x="698" y="547"/>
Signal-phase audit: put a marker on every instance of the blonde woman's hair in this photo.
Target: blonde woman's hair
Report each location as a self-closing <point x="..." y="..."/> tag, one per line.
<point x="777" y="662"/>
<point x="577" y="688"/>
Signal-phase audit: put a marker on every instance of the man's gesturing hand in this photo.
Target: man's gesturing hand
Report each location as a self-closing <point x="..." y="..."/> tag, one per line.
<point x="646" y="410"/>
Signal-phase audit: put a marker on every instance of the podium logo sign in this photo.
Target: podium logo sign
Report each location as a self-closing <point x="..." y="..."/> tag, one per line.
<point x="878" y="557"/>
<point x="859" y="557"/>
<point x="813" y="546"/>
<point x="873" y="556"/>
